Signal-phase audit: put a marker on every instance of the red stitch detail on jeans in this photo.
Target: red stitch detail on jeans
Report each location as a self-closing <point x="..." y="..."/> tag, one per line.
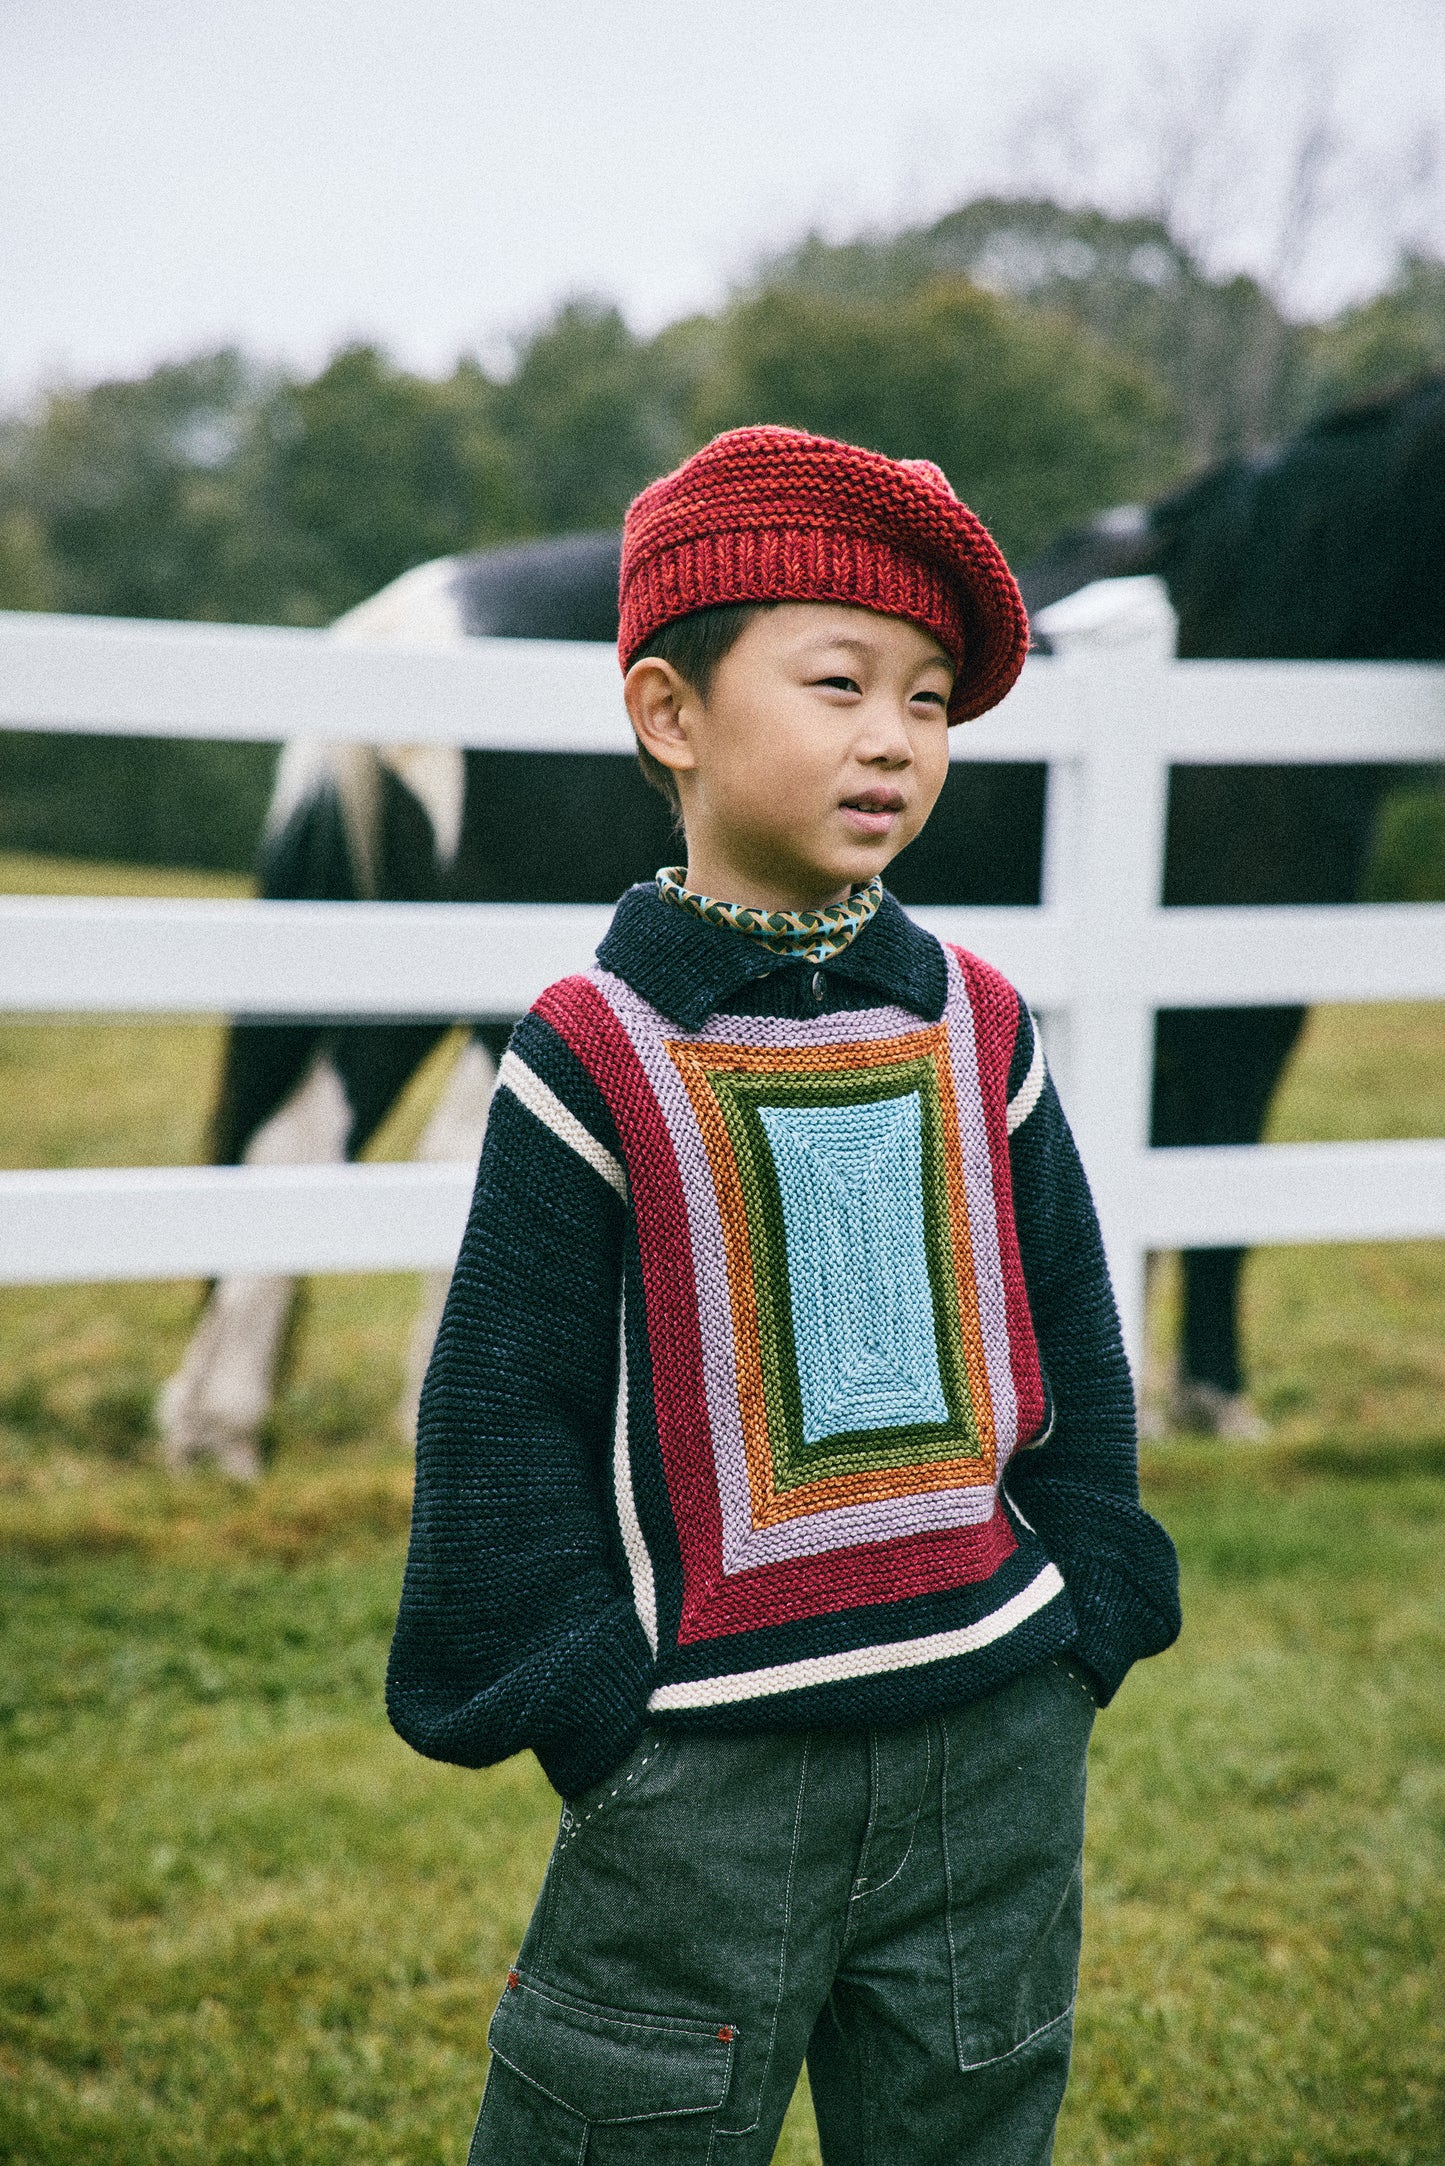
<point x="513" y="1981"/>
<point x="726" y="2034"/>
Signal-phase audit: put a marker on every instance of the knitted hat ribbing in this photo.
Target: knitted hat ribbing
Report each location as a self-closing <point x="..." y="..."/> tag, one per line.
<point x="775" y="515"/>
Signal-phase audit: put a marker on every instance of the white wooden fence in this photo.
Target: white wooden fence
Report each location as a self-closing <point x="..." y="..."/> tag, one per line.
<point x="1109" y="713"/>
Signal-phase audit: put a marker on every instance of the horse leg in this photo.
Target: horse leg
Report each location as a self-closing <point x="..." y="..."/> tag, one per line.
<point x="214" y="1405"/>
<point x="1209" y="1392"/>
<point x="1215" y="1070"/>
<point x="452" y="1136"/>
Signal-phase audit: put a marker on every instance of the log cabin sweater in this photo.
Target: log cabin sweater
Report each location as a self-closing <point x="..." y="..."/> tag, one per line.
<point x="780" y="1382"/>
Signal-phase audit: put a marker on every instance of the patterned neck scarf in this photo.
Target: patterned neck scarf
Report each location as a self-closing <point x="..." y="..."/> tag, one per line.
<point x="812" y="936"/>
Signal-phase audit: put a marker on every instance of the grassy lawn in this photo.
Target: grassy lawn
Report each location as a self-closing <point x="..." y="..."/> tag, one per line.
<point x="239" y="1921"/>
<point x="244" y="1923"/>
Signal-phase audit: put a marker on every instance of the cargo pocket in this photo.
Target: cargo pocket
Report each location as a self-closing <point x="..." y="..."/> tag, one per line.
<point x="570" y="2083"/>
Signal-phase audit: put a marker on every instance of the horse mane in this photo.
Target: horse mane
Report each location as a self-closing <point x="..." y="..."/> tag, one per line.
<point x="1328" y="547"/>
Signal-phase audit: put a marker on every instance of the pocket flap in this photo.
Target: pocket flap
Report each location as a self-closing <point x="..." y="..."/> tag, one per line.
<point x="609" y="2066"/>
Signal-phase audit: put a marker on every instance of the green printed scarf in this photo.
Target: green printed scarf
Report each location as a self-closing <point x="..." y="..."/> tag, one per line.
<point x="812" y="936"/>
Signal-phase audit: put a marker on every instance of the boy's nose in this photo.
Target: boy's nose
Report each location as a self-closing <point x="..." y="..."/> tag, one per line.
<point x="888" y="740"/>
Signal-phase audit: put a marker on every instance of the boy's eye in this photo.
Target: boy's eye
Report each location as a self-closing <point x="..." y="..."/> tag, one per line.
<point x="841" y="684"/>
<point x="931" y="699"/>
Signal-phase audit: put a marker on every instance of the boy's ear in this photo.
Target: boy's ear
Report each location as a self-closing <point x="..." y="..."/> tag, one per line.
<point x="661" y="704"/>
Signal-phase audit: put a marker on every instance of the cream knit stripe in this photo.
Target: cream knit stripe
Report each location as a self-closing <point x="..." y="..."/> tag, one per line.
<point x="1031" y="1090"/>
<point x="863" y="1661"/>
<point x="639" y="1563"/>
<point x="524" y="1083"/>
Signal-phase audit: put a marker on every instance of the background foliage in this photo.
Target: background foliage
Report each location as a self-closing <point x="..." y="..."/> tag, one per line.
<point x="1052" y="361"/>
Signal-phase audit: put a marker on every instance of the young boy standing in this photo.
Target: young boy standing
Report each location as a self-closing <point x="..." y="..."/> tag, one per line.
<point x="776" y="1477"/>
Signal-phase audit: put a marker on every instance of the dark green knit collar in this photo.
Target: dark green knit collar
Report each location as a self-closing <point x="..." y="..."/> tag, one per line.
<point x="691" y="969"/>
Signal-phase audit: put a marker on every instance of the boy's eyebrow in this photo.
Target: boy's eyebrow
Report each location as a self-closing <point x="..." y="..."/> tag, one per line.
<point x="852" y="643"/>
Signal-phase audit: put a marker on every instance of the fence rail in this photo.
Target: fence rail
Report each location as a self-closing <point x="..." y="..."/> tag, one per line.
<point x="115" y="677"/>
<point x="78" y="956"/>
<point x="1110" y="712"/>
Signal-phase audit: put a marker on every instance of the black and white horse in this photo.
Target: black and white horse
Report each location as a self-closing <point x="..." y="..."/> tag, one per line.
<point x="1331" y="548"/>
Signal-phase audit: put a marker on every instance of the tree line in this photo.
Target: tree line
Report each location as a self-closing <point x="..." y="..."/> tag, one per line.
<point x="1052" y="361"/>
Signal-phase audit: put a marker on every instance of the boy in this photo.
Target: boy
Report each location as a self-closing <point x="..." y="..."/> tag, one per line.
<point x="776" y="1478"/>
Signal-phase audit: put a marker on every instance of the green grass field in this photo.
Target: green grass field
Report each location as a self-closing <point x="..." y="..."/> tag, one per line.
<point x="241" y="1922"/>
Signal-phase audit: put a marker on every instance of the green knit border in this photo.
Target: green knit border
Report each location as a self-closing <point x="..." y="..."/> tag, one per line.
<point x="796" y="1462"/>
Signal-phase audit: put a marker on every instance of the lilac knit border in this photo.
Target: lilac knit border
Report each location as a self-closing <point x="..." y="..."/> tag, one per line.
<point x="841" y="1526"/>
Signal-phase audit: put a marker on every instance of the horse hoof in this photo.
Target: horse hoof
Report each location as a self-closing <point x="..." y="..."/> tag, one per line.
<point x="1207" y="1410"/>
<point x="1154" y="1421"/>
<point x="188" y="1436"/>
<point x="238" y="1458"/>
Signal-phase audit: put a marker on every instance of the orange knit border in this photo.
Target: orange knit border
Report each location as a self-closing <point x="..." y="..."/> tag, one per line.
<point x="695" y="1064"/>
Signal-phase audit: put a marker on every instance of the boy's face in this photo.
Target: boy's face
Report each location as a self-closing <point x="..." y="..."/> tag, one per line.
<point x="817" y="756"/>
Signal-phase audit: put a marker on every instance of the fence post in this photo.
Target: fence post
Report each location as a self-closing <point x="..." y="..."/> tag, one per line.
<point x="1103" y="871"/>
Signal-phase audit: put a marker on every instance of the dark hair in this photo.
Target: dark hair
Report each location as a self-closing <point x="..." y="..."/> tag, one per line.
<point x="694" y="645"/>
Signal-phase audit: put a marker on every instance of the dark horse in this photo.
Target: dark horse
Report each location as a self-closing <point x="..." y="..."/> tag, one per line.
<point x="1332" y="547"/>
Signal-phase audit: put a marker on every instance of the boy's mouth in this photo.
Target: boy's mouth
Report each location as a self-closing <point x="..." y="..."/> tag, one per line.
<point x="872" y="812"/>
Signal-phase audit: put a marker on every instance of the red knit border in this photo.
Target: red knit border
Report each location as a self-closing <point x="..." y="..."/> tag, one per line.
<point x="715" y="1604"/>
<point x="995" y="1006"/>
<point x="585" y="1023"/>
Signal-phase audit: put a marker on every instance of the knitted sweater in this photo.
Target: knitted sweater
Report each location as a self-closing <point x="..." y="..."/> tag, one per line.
<point x="780" y="1382"/>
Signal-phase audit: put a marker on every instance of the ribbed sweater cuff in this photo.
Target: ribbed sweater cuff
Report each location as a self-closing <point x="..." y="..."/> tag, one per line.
<point x="1117" y="1625"/>
<point x="609" y="1687"/>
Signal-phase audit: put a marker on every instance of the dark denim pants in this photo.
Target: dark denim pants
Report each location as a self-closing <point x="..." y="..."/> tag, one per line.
<point x="899" y="1906"/>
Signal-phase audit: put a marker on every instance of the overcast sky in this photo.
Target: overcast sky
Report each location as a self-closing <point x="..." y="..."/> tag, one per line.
<point x="176" y="174"/>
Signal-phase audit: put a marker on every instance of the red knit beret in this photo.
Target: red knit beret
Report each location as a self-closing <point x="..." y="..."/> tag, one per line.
<point x="775" y="515"/>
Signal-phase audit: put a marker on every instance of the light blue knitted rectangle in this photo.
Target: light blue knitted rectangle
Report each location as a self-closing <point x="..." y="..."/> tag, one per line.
<point x="850" y="1178"/>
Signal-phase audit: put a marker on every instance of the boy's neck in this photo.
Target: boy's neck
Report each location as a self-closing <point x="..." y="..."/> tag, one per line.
<point x="711" y="873"/>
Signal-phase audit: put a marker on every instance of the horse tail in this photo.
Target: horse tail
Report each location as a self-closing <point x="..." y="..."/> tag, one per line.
<point x="319" y="844"/>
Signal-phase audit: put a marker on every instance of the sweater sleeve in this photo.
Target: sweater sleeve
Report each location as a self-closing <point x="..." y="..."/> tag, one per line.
<point x="1079" y="1487"/>
<point x="515" y="1627"/>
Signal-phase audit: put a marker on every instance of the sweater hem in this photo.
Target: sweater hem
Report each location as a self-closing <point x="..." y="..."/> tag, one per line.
<point x="880" y="1684"/>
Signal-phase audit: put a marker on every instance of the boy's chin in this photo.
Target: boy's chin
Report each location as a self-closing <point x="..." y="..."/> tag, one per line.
<point x="855" y="868"/>
<point x="832" y="871"/>
<point x="860" y="871"/>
